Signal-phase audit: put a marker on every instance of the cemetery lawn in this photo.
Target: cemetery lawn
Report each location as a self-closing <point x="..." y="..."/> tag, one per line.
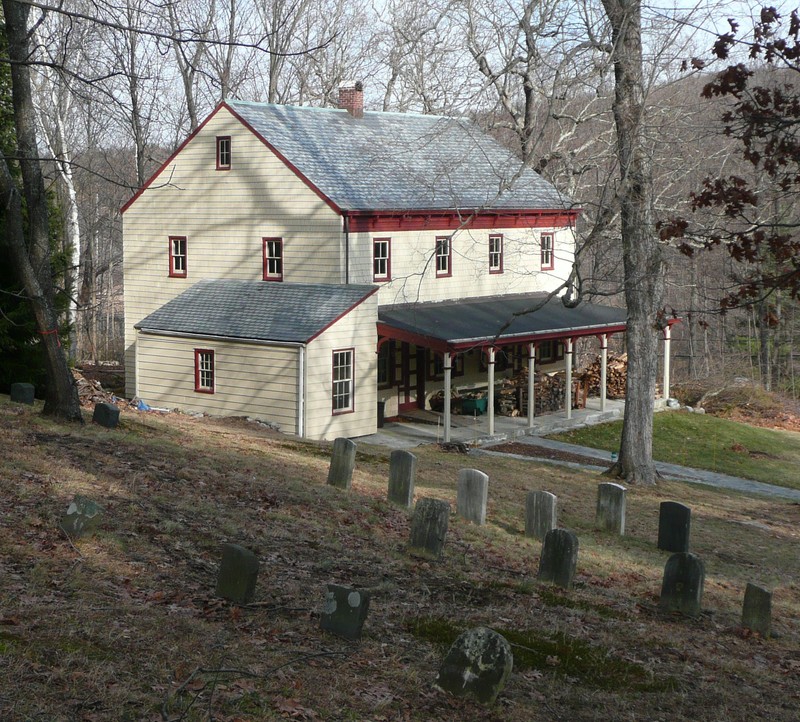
<point x="708" y="442"/>
<point x="125" y="624"/>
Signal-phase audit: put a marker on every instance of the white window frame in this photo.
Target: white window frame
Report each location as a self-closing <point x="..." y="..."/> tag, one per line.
<point x="343" y="381"/>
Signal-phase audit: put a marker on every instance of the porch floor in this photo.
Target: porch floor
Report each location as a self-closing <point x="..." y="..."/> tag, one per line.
<point x="425" y="427"/>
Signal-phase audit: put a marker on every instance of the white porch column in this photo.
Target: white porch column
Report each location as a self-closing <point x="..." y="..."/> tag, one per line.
<point x="447" y="384"/>
<point x="603" y="370"/>
<point x="531" y="384"/>
<point x="568" y="360"/>
<point x="667" y="342"/>
<point x="490" y="395"/>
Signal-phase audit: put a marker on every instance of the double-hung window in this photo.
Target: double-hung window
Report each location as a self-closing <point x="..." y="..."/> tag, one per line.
<point x="177" y="256"/>
<point x="381" y="259"/>
<point x="548" y="255"/>
<point x="444" y="256"/>
<point x="273" y="259"/>
<point x="343" y="385"/>
<point x="204" y="371"/>
<point x="223" y="152"/>
<point x="496" y="253"/>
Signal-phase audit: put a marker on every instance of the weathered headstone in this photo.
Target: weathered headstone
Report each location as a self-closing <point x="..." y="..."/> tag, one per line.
<point x="541" y="514"/>
<point x="106" y="415"/>
<point x="429" y="528"/>
<point x="477" y="665"/>
<point x="238" y="574"/>
<point x="757" y="610"/>
<point x="343" y="461"/>
<point x="472" y="494"/>
<point x="559" y="558"/>
<point x="611" y="504"/>
<point x="22" y="393"/>
<point x="674" y="525"/>
<point x="345" y="611"/>
<point x="402" y="472"/>
<point x="82" y="518"/>
<point x="682" y="587"/>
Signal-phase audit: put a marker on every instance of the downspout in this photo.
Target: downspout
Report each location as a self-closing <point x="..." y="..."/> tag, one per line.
<point x="346" y="229"/>
<point x="301" y="391"/>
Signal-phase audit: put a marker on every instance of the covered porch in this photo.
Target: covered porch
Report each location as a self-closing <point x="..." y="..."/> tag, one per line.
<point x="442" y="334"/>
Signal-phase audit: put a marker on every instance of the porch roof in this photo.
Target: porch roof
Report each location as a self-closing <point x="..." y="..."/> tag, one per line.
<point x="495" y="321"/>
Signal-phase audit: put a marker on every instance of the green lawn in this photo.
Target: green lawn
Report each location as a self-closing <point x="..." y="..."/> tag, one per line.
<point x="707" y="442"/>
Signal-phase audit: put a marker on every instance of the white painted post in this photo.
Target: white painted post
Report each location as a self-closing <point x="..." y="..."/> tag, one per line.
<point x="568" y="359"/>
<point x="490" y="395"/>
<point x="447" y="384"/>
<point x="531" y="384"/>
<point x="603" y="370"/>
<point x="667" y="340"/>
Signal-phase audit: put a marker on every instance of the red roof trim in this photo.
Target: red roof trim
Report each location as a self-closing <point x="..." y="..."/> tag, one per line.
<point x="342" y="315"/>
<point x="419" y="220"/>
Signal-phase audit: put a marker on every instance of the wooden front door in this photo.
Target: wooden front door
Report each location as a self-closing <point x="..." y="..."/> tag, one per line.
<point x="412" y="378"/>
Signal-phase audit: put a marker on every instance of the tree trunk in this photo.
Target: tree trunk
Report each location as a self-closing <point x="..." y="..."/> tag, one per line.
<point x="642" y="256"/>
<point x="32" y="260"/>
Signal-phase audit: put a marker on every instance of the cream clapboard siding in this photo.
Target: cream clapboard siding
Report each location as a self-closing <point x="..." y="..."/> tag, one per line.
<point x="224" y="216"/>
<point x="413" y="268"/>
<point x="250" y="379"/>
<point x="357" y="331"/>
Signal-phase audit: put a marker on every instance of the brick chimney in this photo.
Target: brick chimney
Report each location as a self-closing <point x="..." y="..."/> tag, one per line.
<point x="351" y="99"/>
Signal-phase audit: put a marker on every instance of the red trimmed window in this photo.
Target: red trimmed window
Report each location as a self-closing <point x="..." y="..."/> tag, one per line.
<point x="548" y="254"/>
<point x="549" y="351"/>
<point x="496" y="253"/>
<point x="177" y="256"/>
<point x="381" y="259"/>
<point x="273" y="259"/>
<point x="343" y="381"/>
<point x="203" y="371"/>
<point x="436" y="365"/>
<point x="386" y="364"/>
<point x="444" y="256"/>
<point x="223" y="152"/>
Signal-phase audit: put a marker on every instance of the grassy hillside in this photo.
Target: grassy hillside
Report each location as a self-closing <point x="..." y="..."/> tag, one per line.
<point x="708" y="442"/>
<point x="125" y="625"/>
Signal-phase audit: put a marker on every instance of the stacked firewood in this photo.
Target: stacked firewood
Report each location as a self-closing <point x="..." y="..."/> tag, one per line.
<point x="616" y="373"/>
<point x="548" y="397"/>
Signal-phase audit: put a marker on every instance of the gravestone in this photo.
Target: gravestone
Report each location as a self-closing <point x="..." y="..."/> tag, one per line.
<point x="477" y="665"/>
<point x="541" y="513"/>
<point x="22" y="393"/>
<point x="472" y="495"/>
<point x="559" y="558"/>
<point x="674" y="524"/>
<point x="106" y="415"/>
<point x="757" y="610"/>
<point x="611" y="504"/>
<point x="82" y="518"/>
<point x="238" y="574"/>
<point x="343" y="461"/>
<point x="429" y="528"/>
<point x="345" y="611"/>
<point x="402" y="472"/>
<point x="682" y="587"/>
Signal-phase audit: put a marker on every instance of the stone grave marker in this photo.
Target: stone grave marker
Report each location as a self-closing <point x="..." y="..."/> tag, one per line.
<point x="22" y="393"/>
<point x="429" y="528"/>
<point x="541" y="514"/>
<point x="343" y="461"/>
<point x="82" y="518"/>
<point x="477" y="665"/>
<point x="674" y="525"/>
<point x="472" y="495"/>
<point x="611" y="502"/>
<point x="402" y="473"/>
<point x="345" y="611"/>
<point x="682" y="587"/>
<point x="757" y="610"/>
<point x="106" y="415"/>
<point x="559" y="558"/>
<point x="238" y="574"/>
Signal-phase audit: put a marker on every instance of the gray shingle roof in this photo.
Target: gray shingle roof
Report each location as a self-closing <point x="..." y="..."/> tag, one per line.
<point x="471" y="320"/>
<point x="399" y="161"/>
<point x="255" y="310"/>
